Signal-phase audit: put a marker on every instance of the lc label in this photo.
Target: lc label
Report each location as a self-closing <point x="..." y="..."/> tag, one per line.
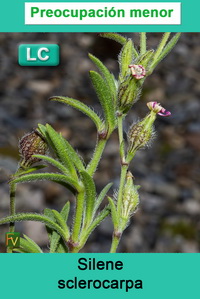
<point x="38" y="55"/>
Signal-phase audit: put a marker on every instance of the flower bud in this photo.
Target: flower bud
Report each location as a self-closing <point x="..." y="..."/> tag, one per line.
<point x="138" y="71"/>
<point x="31" y="144"/>
<point x="130" y="197"/>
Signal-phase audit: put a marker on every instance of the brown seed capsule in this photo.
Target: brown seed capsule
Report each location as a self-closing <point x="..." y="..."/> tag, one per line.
<point x="31" y="144"/>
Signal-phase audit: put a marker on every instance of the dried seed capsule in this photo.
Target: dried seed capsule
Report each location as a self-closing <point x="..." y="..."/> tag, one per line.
<point x="31" y="144"/>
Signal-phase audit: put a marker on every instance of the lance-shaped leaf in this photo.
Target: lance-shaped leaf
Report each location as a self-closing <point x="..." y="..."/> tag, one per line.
<point x="60" y="220"/>
<point x="125" y="59"/>
<point x="69" y="149"/>
<point x="34" y="217"/>
<point x="28" y="245"/>
<point x="62" y="248"/>
<point x="81" y="107"/>
<point x="54" y="237"/>
<point x="113" y="212"/>
<point x="50" y="215"/>
<point x="115" y="36"/>
<point x="58" y="178"/>
<point x="108" y="77"/>
<point x="166" y="50"/>
<point x="145" y="59"/>
<point x="105" y="98"/>
<point x="60" y="149"/>
<point x="102" y="195"/>
<point x="57" y="244"/>
<point x="21" y="171"/>
<point x="53" y="162"/>
<point x="90" y="194"/>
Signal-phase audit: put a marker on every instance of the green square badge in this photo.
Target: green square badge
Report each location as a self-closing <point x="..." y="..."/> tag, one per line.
<point x="13" y="240"/>
<point x="38" y="55"/>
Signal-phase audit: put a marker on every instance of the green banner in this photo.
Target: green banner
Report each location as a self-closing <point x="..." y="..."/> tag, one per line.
<point x="13" y="16"/>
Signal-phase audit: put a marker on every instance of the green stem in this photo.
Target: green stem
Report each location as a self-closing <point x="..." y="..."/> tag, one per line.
<point x="143" y="46"/>
<point x="78" y="216"/>
<point x="85" y="235"/>
<point x="121" y="137"/>
<point x="115" y="243"/>
<point x="124" y="169"/>
<point x="92" y="166"/>
<point x="12" y="205"/>
<point x="12" y="210"/>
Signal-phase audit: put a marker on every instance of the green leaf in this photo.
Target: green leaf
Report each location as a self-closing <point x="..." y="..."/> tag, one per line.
<point x="58" y="178"/>
<point x="83" y="108"/>
<point x="31" y="242"/>
<point x="56" y="243"/>
<point x="34" y="217"/>
<point x="166" y="50"/>
<point x="102" y="195"/>
<point x="90" y="194"/>
<point x="74" y="156"/>
<point x="49" y="214"/>
<point x="69" y="149"/>
<point x="108" y="77"/>
<point x="144" y="60"/>
<point x="105" y="99"/>
<point x="126" y="57"/>
<point x="161" y="45"/>
<point x="29" y="170"/>
<point x="27" y="245"/>
<point x="61" y="222"/>
<point x="60" y="149"/>
<point x="62" y="248"/>
<point x="113" y="212"/>
<point x="54" y="162"/>
<point x="115" y="36"/>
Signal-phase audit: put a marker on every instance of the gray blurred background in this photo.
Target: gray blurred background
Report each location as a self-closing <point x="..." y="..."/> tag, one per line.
<point x="168" y="217"/>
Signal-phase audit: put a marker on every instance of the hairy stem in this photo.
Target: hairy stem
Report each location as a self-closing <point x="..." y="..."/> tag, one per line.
<point x="143" y="46"/>
<point x="78" y="216"/>
<point x="12" y="205"/>
<point x="115" y="243"/>
<point x="92" y="166"/>
<point x="124" y="165"/>
<point x="12" y="210"/>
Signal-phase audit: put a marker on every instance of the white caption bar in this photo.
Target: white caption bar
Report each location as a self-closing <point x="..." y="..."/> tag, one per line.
<point x="113" y="13"/>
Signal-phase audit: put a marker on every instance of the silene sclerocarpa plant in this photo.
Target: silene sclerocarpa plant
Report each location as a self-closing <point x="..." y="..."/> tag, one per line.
<point x="116" y="96"/>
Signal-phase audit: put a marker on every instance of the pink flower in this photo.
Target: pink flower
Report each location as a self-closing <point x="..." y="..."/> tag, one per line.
<point x="138" y="71"/>
<point x="158" y="109"/>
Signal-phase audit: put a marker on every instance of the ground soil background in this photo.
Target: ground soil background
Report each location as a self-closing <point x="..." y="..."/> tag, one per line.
<point x="168" y="217"/>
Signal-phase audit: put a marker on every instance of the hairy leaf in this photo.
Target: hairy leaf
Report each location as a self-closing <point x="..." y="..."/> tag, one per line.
<point x="102" y="195"/>
<point x="60" y="149"/>
<point x="115" y="36"/>
<point x="58" y="178"/>
<point x="105" y="99"/>
<point x="90" y="194"/>
<point x="83" y="108"/>
<point x="108" y="77"/>
<point x="54" y="162"/>
<point x="113" y="212"/>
